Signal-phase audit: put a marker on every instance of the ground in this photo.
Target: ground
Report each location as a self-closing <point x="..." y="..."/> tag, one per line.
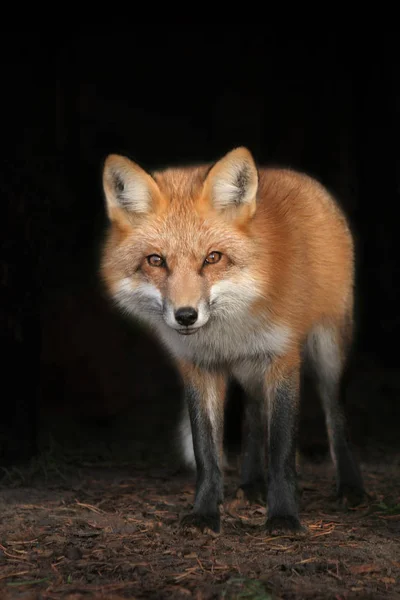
<point x="106" y="531"/>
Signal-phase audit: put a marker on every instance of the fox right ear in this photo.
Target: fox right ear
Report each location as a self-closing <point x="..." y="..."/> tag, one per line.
<point x="127" y="187"/>
<point x="232" y="183"/>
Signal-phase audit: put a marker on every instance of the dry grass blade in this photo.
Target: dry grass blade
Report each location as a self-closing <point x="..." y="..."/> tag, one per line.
<point x="16" y="574"/>
<point x="316" y="535"/>
<point x="359" y="569"/>
<point x="92" y="508"/>
<point x="12" y="556"/>
<point x="16" y="543"/>
<point x="28" y="582"/>
<point x="187" y="573"/>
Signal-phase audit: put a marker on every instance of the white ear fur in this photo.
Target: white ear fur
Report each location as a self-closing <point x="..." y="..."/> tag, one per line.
<point x="234" y="180"/>
<point x="127" y="186"/>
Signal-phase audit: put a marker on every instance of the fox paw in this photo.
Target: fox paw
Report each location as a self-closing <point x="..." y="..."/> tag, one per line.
<point x="350" y="495"/>
<point x="210" y="523"/>
<point x="279" y="525"/>
<point x="254" y="493"/>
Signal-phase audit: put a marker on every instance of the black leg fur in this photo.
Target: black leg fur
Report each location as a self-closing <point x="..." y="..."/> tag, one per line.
<point x="253" y="483"/>
<point x="329" y="348"/>
<point x="282" y="478"/>
<point x="207" y="431"/>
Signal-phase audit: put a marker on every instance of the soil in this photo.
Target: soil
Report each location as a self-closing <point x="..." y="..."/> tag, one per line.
<point x="111" y="532"/>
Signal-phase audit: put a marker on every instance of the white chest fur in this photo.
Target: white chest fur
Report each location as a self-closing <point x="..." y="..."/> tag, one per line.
<point x="225" y="342"/>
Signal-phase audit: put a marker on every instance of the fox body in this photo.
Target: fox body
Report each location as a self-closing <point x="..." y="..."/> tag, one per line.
<point x="241" y="272"/>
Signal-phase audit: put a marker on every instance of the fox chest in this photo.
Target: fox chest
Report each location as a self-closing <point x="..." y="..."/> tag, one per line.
<point x="227" y="344"/>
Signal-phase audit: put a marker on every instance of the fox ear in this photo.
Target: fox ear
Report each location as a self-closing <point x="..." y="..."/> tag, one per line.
<point x="233" y="181"/>
<point x="127" y="187"/>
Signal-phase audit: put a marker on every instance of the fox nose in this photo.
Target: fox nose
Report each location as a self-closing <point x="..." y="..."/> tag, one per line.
<point x="186" y="315"/>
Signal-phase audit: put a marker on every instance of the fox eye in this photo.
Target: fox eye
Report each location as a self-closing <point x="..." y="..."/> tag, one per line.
<point x="155" y="260"/>
<point x="213" y="258"/>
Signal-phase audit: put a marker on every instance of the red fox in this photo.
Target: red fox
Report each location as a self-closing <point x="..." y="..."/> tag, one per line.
<point x="245" y="272"/>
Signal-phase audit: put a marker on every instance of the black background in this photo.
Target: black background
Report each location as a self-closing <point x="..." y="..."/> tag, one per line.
<point x="72" y="368"/>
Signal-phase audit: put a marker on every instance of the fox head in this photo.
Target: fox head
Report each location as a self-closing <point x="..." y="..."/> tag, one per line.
<point x="179" y="250"/>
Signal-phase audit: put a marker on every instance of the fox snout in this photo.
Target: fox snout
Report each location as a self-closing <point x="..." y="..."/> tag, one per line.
<point x="186" y="316"/>
<point x="186" y="319"/>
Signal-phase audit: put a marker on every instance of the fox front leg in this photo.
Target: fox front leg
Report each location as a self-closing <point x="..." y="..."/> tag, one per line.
<point x="205" y="397"/>
<point x="283" y="390"/>
<point x="253" y="484"/>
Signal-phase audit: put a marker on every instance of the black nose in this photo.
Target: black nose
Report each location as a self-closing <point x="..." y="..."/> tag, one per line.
<point x="186" y="316"/>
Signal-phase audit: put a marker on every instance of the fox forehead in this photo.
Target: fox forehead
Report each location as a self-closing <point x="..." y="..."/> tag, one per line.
<point x="185" y="232"/>
<point x="179" y="231"/>
<point x="181" y="184"/>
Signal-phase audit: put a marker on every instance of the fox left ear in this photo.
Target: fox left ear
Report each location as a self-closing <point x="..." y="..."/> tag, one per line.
<point x="129" y="190"/>
<point x="233" y="182"/>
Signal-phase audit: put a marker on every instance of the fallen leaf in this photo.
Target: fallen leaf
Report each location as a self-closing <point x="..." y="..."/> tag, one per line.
<point x="359" y="569"/>
<point x="388" y="580"/>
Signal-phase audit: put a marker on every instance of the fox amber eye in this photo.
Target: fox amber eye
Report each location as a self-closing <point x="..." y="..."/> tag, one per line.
<point x="155" y="261"/>
<point x="213" y="258"/>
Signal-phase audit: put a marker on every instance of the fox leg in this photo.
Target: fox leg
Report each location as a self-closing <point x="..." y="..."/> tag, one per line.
<point x="253" y="483"/>
<point x="185" y="441"/>
<point x="185" y="438"/>
<point x="326" y="347"/>
<point x="205" y="396"/>
<point x="282" y="391"/>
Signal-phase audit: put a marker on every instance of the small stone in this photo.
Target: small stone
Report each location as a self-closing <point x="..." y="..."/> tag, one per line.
<point x="73" y="553"/>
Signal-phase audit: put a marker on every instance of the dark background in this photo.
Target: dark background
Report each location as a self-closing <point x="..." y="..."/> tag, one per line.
<point x="74" y="372"/>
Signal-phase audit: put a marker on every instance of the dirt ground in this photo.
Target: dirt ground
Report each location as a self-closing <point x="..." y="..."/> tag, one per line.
<point x="94" y="531"/>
